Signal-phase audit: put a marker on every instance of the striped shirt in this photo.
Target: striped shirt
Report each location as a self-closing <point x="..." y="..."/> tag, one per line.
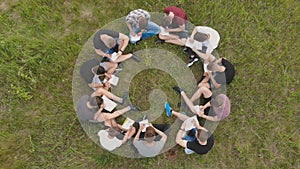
<point x="133" y="16"/>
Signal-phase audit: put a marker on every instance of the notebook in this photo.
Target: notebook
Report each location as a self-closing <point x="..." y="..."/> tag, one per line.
<point x="109" y="104"/>
<point x="146" y="122"/>
<point x="114" y="56"/>
<point x="127" y="123"/>
<point x="196" y="44"/>
<point x="189" y="124"/>
<point x="114" y="80"/>
<point x="135" y="38"/>
<point x="163" y="31"/>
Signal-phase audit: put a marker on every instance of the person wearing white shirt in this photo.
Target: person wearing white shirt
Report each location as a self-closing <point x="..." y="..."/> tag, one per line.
<point x="209" y="38"/>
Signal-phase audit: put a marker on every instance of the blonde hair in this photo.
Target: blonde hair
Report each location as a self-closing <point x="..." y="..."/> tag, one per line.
<point x="110" y="42"/>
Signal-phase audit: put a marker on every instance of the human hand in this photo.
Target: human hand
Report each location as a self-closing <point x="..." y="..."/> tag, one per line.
<point x="142" y="126"/>
<point x="201" y="114"/>
<point x="107" y="84"/>
<point x="102" y="106"/>
<point x="201" y="108"/>
<point x="191" y="41"/>
<point x="133" y="33"/>
<point x="140" y="33"/>
<point x="120" y="53"/>
<point x="91" y="85"/>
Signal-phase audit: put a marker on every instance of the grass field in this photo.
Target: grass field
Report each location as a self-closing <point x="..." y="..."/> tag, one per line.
<point x="41" y="40"/>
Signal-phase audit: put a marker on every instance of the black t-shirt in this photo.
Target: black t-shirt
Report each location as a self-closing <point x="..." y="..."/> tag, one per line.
<point x="83" y="112"/>
<point x="227" y="76"/>
<point x="98" y="43"/>
<point x="201" y="149"/>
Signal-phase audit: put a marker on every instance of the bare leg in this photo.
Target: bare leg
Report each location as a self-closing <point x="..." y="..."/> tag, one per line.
<point x="115" y="114"/>
<point x="101" y="91"/>
<point x="176" y="42"/>
<point x="111" y="66"/>
<point x="202" y="90"/>
<point x="168" y="37"/>
<point x="123" y="58"/>
<point x="188" y="102"/>
<point x="181" y="116"/>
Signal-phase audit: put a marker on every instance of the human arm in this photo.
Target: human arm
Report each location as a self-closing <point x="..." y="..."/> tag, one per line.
<point x="137" y="136"/>
<point x="214" y="82"/>
<point x="162" y="134"/>
<point x="202" y="108"/>
<point x="101" y="53"/>
<point x="95" y="85"/>
<point x="130" y="28"/>
<point x="180" y="135"/>
<point x="179" y="29"/>
<point x="98" y="113"/>
<point x="125" y="39"/>
<point x="210" y="118"/>
<point x="205" y="56"/>
<point x="197" y="125"/>
<point x="193" y="34"/>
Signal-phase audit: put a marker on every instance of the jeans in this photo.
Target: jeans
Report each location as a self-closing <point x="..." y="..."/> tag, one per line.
<point x="152" y="29"/>
<point x="190" y="137"/>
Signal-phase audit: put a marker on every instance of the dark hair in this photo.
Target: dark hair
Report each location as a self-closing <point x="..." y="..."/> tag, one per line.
<point x="211" y="66"/>
<point x="100" y="70"/>
<point x="99" y="101"/>
<point x="200" y="37"/>
<point x="217" y="101"/>
<point x="143" y="22"/>
<point x="166" y="21"/>
<point x="114" y="131"/>
<point x="149" y="134"/>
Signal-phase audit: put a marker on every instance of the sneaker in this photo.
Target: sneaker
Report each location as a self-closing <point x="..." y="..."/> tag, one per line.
<point x="126" y="95"/>
<point x="159" y="41"/>
<point x="185" y="50"/>
<point x="145" y="117"/>
<point x="120" y="65"/>
<point x="134" y="108"/>
<point x="168" y="109"/>
<point x="178" y="89"/>
<point x="134" y="57"/>
<point x="192" y="61"/>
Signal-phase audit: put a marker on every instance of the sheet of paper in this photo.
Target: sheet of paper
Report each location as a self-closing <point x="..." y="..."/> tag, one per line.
<point x="196" y="44"/>
<point x="146" y="122"/>
<point x="189" y="124"/>
<point x="135" y="38"/>
<point x="114" y="80"/>
<point x="163" y="31"/>
<point x="109" y="104"/>
<point x="127" y="123"/>
<point x="114" y="56"/>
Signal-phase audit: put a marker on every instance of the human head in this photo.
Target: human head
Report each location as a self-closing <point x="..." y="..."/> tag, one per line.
<point x="114" y="131"/>
<point x="149" y="134"/>
<point x="166" y="21"/>
<point x="95" y="102"/>
<point x="217" y="101"/>
<point x="200" y="37"/>
<point x="143" y="23"/>
<point x="109" y="41"/>
<point x="100" y="70"/>
<point x="202" y="135"/>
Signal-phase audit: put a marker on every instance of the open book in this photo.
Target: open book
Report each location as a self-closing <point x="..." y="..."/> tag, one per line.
<point x="114" y="56"/>
<point x="134" y="38"/>
<point x="114" y="80"/>
<point x="189" y="124"/>
<point x="109" y="104"/>
<point x="127" y="123"/>
<point x="163" y="31"/>
<point x="196" y="44"/>
<point x="146" y="122"/>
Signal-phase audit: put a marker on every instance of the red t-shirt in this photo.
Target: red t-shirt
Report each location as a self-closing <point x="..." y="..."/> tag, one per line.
<point x="178" y="12"/>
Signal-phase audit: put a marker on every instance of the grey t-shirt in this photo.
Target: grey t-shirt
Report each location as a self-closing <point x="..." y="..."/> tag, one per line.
<point x="147" y="151"/>
<point x="83" y="112"/>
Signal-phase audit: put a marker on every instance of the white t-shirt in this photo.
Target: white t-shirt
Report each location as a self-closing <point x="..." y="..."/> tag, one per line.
<point x="107" y="143"/>
<point x="213" y="41"/>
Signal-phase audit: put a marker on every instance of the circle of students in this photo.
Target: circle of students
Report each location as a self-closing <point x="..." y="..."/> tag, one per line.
<point x="147" y="138"/>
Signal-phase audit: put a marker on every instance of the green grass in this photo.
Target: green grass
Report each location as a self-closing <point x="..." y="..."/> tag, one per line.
<point x="41" y="40"/>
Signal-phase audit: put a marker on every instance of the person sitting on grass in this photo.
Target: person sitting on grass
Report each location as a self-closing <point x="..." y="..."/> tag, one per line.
<point x="106" y="42"/>
<point x="112" y="138"/>
<point x="208" y="37"/>
<point x="149" y="147"/>
<point x="138" y="23"/>
<point x="198" y="139"/>
<point x="207" y="95"/>
<point x="174" y="22"/>
<point x="218" y="74"/>
<point x="109" y="118"/>
<point x="102" y="74"/>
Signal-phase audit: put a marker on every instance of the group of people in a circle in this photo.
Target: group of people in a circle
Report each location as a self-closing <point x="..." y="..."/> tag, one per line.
<point x="149" y="139"/>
